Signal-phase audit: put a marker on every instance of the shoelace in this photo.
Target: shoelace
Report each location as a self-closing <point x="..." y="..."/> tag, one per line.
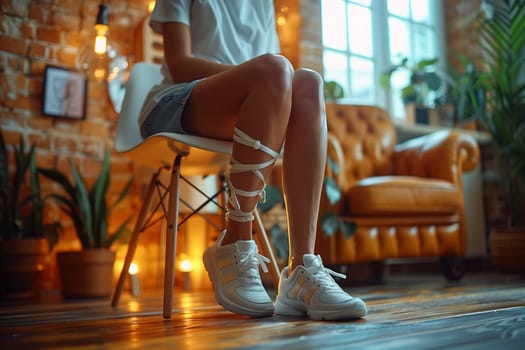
<point x="251" y="262"/>
<point x="323" y="277"/>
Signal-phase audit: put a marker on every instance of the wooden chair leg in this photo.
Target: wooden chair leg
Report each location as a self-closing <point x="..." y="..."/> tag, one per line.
<point x="171" y="237"/>
<point x="132" y="246"/>
<point x="266" y="247"/>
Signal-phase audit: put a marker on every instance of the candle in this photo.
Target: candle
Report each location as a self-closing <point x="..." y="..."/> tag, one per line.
<point x="134" y="279"/>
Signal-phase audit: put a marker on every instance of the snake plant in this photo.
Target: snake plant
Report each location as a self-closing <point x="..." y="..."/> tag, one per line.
<point x="21" y="201"/>
<point x="89" y="209"/>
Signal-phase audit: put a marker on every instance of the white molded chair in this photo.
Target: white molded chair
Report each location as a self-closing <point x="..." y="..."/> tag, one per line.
<point x="183" y="155"/>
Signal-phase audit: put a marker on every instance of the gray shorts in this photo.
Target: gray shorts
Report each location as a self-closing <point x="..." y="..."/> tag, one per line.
<point x="166" y="116"/>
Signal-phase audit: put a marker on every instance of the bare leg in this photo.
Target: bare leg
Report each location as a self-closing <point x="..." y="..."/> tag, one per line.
<point x="304" y="163"/>
<point x="254" y="97"/>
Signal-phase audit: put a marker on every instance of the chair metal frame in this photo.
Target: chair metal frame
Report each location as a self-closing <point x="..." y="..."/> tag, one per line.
<point x="198" y="155"/>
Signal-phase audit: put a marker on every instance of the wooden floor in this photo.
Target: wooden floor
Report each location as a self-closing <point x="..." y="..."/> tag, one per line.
<point x="483" y="311"/>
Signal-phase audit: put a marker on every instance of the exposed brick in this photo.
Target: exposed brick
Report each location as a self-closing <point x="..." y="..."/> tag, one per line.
<point x="38" y="50"/>
<point x="93" y="147"/>
<point x="40" y="13"/>
<point x="16" y="63"/>
<point x="72" y="6"/>
<point x="36" y="86"/>
<point x="28" y="30"/>
<point x="67" y="56"/>
<point x="37" y="67"/>
<point x="11" y="137"/>
<point x="75" y="38"/>
<point x="40" y="140"/>
<point x="45" y="159"/>
<point x="15" y="8"/>
<point x="41" y="123"/>
<point x="64" y="144"/>
<point x="94" y="129"/>
<point x="66" y="21"/>
<point x="22" y="102"/>
<point x="13" y="45"/>
<point x="49" y="34"/>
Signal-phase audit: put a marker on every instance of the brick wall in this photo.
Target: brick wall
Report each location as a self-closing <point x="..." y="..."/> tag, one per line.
<point x="55" y="32"/>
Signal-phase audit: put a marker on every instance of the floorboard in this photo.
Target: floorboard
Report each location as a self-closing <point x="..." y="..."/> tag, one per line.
<point x="483" y="311"/>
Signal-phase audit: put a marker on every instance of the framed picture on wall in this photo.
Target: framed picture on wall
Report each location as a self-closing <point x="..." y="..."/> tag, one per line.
<point x="65" y="93"/>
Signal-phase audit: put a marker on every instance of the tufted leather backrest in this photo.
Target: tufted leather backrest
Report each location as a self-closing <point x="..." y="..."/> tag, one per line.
<point x="367" y="136"/>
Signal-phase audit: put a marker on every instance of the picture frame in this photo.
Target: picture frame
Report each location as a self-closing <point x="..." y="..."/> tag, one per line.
<point x="64" y="93"/>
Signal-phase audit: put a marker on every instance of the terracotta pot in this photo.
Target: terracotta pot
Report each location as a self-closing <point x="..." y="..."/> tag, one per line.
<point x="507" y="249"/>
<point x="21" y="264"/>
<point x="87" y="273"/>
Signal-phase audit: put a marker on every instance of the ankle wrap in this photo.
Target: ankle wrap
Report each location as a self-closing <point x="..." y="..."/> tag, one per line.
<point x="235" y="212"/>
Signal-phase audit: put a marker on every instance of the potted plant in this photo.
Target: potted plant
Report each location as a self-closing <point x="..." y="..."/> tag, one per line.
<point x="502" y="32"/>
<point x="465" y="92"/>
<point x="88" y="272"/>
<point x="25" y="239"/>
<point x="424" y="79"/>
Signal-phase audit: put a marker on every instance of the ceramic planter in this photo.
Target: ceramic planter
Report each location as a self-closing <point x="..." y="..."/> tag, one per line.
<point x="87" y="273"/>
<point x="21" y="264"/>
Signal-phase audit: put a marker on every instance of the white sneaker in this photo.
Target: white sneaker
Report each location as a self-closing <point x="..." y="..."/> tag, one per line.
<point x="312" y="291"/>
<point x="234" y="272"/>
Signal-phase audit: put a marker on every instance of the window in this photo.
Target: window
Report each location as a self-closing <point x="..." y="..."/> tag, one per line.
<point x="363" y="38"/>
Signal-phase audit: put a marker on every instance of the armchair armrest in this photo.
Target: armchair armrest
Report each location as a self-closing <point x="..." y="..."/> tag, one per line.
<point x="443" y="155"/>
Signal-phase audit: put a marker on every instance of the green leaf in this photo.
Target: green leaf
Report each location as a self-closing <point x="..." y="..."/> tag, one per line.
<point x="329" y="223"/>
<point x="280" y="241"/>
<point x="333" y="90"/>
<point x="98" y="202"/>
<point x="333" y="165"/>
<point x="273" y="197"/>
<point x="332" y="191"/>
<point x="83" y="200"/>
<point x="348" y="228"/>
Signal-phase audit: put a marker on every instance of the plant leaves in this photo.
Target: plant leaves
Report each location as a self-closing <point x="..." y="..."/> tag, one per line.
<point x="348" y="228"/>
<point x="332" y="191"/>
<point x="329" y="223"/>
<point x="273" y="198"/>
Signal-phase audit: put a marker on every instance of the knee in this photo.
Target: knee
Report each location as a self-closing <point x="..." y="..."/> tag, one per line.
<point x="308" y="86"/>
<point x="275" y="72"/>
<point x="307" y="96"/>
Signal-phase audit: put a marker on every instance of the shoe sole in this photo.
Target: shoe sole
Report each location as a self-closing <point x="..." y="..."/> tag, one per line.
<point x="225" y="302"/>
<point x="289" y="307"/>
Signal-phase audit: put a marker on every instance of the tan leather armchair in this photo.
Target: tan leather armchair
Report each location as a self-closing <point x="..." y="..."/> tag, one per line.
<point x="405" y="199"/>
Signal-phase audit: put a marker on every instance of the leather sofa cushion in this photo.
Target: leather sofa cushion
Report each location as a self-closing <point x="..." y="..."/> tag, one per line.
<point x="402" y="195"/>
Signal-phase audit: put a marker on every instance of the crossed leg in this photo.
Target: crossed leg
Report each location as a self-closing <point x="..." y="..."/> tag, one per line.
<point x="267" y="100"/>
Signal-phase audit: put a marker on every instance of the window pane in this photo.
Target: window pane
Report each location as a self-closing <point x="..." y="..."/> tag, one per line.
<point x="399" y="39"/>
<point x="399" y="8"/>
<point x="360" y="30"/>
<point x="420" y="11"/>
<point x="424" y="42"/>
<point x="400" y="79"/>
<point x="336" y="69"/>
<point x="362" y="2"/>
<point x="363" y="84"/>
<point x="334" y="24"/>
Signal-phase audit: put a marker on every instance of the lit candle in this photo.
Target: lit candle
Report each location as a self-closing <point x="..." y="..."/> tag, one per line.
<point x="186" y="266"/>
<point x="134" y="279"/>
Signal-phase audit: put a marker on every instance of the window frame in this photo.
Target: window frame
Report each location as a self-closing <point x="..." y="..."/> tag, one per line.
<point x="381" y="57"/>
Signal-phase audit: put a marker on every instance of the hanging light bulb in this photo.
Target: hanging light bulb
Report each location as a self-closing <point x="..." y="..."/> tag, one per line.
<point x="101" y="29"/>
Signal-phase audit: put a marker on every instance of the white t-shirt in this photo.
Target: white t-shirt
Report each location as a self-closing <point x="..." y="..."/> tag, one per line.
<point x="225" y="31"/>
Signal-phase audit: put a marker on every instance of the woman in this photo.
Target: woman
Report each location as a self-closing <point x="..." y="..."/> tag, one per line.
<point x="223" y="79"/>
